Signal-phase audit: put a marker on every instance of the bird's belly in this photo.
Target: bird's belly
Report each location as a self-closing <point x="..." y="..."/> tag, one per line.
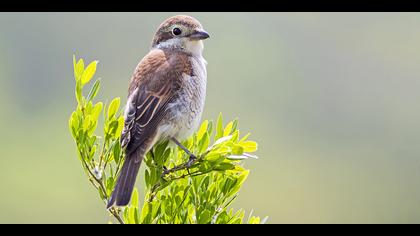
<point x="182" y="120"/>
<point x="184" y="113"/>
<point x="186" y="125"/>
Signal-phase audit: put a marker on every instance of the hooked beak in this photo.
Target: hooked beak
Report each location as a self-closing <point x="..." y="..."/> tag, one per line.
<point x="199" y="35"/>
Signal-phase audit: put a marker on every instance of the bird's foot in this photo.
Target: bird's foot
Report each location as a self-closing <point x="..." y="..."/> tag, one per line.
<point x="187" y="165"/>
<point x="191" y="161"/>
<point x="165" y="171"/>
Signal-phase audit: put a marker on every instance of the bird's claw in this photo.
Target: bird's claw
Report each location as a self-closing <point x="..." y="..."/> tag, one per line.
<point x="191" y="161"/>
<point x="186" y="165"/>
<point x="165" y="171"/>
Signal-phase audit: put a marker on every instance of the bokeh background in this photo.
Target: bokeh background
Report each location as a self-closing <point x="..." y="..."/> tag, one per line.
<point x="332" y="98"/>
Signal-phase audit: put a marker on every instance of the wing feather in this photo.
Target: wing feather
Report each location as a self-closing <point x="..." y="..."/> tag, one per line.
<point x="154" y="84"/>
<point x="142" y="121"/>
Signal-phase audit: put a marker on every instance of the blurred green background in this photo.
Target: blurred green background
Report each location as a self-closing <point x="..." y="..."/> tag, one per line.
<point x="332" y="99"/>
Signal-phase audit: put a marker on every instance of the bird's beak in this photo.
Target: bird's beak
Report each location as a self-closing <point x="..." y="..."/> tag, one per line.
<point x="199" y="35"/>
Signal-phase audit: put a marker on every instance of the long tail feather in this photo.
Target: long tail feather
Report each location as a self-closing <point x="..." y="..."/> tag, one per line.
<point x="126" y="179"/>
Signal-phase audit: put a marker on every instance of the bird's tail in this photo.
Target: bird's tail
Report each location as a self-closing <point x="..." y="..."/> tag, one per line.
<point x="126" y="179"/>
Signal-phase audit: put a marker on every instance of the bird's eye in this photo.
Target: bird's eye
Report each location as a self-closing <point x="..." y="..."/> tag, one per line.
<point x="176" y="31"/>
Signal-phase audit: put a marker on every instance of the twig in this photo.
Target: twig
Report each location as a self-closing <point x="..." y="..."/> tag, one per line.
<point x="102" y="188"/>
<point x="183" y="166"/>
<point x="114" y="212"/>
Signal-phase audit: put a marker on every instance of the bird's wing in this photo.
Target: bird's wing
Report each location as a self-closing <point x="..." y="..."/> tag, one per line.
<point x="152" y="88"/>
<point x="144" y="112"/>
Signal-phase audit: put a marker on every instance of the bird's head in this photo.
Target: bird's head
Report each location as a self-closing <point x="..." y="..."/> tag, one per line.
<point x="180" y="33"/>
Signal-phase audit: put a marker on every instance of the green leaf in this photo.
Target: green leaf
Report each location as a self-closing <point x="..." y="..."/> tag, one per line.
<point x="204" y="217"/>
<point x="81" y="136"/>
<point x="237" y="221"/>
<point x="225" y="166"/>
<point x="111" y="128"/>
<point x="73" y="131"/>
<point x="237" y="150"/>
<point x="219" y="127"/>
<point x="228" y="129"/>
<point x="191" y="214"/>
<point x="79" y="92"/>
<point x="117" y="151"/>
<point x="96" y="111"/>
<point x="249" y="146"/>
<point x="101" y="194"/>
<point x="92" y="140"/>
<point x="120" y="127"/>
<point x="237" y="218"/>
<point x="235" y="136"/>
<point x="146" y="213"/>
<point x="210" y="128"/>
<point x="92" y="128"/>
<point x="205" y="183"/>
<point x="229" y="181"/>
<point x="94" y="90"/>
<point x="235" y="125"/>
<point x="160" y="149"/>
<point x="242" y="177"/>
<point x="125" y="214"/>
<point x="202" y="130"/>
<point x="87" y="122"/>
<point x="222" y="218"/>
<point x="92" y="153"/>
<point x="88" y="108"/>
<point x="215" y="157"/>
<point x="74" y="124"/>
<point x="204" y="143"/>
<point x="154" y="176"/>
<point x="254" y="220"/>
<point x="135" y="198"/>
<point x="113" y="107"/>
<point x="136" y="216"/>
<point x="78" y="68"/>
<point x="147" y="178"/>
<point x="109" y="185"/>
<point x="239" y="169"/>
<point x="89" y="72"/>
<point x="206" y="167"/>
<point x="131" y="215"/>
<point x="222" y="141"/>
<point x="222" y="150"/>
<point x="162" y="159"/>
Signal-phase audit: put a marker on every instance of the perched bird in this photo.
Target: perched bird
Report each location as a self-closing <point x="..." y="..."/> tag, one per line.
<point x="165" y="97"/>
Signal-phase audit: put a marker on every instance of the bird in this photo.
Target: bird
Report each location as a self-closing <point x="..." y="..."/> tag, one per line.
<point x="165" y="99"/>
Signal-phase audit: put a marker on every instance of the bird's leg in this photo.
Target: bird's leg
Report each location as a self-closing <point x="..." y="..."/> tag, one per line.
<point x="186" y="165"/>
<point x="192" y="159"/>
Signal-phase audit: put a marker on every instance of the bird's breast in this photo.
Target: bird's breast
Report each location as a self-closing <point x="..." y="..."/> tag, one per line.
<point x="186" y="108"/>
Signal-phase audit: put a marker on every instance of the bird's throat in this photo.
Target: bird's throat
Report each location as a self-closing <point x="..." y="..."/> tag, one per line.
<point x="194" y="47"/>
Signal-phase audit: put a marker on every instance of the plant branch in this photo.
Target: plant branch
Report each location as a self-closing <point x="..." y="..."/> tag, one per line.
<point x="117" y="216"/>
